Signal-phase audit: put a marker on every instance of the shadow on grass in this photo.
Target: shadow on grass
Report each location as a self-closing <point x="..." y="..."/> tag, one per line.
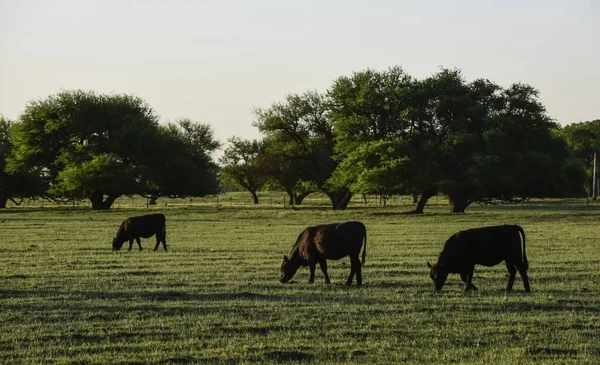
<point x="163" y="296"/>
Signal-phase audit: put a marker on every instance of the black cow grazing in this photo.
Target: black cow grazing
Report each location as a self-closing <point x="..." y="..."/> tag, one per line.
<point x="144" y="226"/>
<point x="327" y="242"/>
<point x="486" y="246"/>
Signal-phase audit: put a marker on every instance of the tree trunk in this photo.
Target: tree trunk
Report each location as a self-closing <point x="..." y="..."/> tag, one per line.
<point x="339" y="200"/>
<point x="423" y="200"/>
<point x="254" y="196"/>
<point x="458" y="203"/>
<point x="3" y="200"/>
<point x="290" y="194"/>
<point x="298" y="199"/>
<point x="98" y="202"/>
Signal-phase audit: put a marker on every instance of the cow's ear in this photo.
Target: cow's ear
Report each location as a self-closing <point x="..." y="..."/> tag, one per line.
<point x="285" y="258"/>
<point x="429" y="265"/>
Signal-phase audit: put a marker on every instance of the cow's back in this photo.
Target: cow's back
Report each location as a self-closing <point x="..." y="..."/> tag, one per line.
<point x="486" y="246"/>
<point x="146" y="226"/>
<point x="335" y="241"/>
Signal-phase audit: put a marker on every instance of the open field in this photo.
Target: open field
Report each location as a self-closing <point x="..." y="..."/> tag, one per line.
<point x="66" y="298"/>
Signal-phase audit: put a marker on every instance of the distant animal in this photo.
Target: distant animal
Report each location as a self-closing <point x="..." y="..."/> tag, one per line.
<point x="144" y="226"/>
<point x="317" y="244"/>
<point x="486" y="246"/>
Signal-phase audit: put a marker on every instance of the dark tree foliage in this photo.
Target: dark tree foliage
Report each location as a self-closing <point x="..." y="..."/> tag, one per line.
<point x="475" y="142"/>
<point x="99" y="147"/>
<point x="303" y="122"/>
<point x="285" y="170"/>
<point x="241" y="162"/>
<point x="15" y="185"/>
<point x="584" y="140"/>
<point x="182" y="164"/>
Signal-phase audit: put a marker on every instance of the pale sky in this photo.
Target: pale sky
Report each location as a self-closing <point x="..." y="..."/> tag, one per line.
<point x="214" y="61"/>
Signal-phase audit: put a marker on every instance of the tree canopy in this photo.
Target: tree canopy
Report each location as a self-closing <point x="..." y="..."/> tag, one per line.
<point x="15" y="184"/>
<point x="372" y="132"/>
<point x="303" y="122"/>
<point x="99" y="147"/>
<point x="584" y="140"/>
<point x="242" y="163"/>
<point x="475" y="142"/>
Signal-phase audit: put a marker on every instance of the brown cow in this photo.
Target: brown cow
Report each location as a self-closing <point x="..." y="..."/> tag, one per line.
<point x="486" y="246"/>
<point x="327" y="242"/>
<point x="144" y="226"/>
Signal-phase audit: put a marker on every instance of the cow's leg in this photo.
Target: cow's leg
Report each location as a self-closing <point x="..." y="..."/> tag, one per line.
<point x="352" y="271"/>
<point x="523" y="272"/>
<point x="512" y="271"/>
<point x="139" y="242"/>
<point x="358" y="272"/>
<point x="130" y="244"/>
<point x="464" y="276"/>
<point x="164" y="241"/>
<point x="323" y="265"/>
<point x="157" y="242"/>
<point x="469" y="276"/>
<point x="312" y="267"/>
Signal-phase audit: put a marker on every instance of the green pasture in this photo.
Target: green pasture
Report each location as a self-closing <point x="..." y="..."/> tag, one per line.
<point x="66" y="298"/>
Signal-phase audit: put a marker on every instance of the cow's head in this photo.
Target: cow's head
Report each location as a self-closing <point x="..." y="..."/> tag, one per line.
<point x="438" y="274"/>
<point x="288" y="269"/>
<point x="116" y="245"/>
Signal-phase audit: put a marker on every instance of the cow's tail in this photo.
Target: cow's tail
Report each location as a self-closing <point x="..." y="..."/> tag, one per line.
<point x="525" y="262"/>
<point x="364" y="249"/>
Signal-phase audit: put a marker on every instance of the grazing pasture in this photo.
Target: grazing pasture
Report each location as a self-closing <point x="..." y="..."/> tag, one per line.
<point x="215" y="297"/>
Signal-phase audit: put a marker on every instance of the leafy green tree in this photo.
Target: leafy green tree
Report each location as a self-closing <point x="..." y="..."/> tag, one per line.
<point x="475" y="142"/>
<point x="182" y="164"/>
<point x="284" y="168"/>
<point x="241" y="162"/>
<point x="498" y="144"/>
<point x="304" y="124"/>
<point x="381" y="119"/>
<point x="584" y="140"/>
<point x="375" y="167"/>
<point x="17" y="184"/>
<point x="100" y="147"/>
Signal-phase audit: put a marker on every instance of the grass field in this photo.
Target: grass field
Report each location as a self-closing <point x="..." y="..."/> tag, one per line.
<point x="66" y="298"/>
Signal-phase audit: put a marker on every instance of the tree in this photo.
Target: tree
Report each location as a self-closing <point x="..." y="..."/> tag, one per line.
<point x="380" y="120"/>
<point x="499" y="146"/>
<point x="584" y="140"/>
<point x="182" y="164"/>
<point x="475" y="142"/>
<point x="375" y="167"/>
<point x="284" y="168"/>
<point x="17" y="184"/>
<point x="100" y="147"/>
<point x="241" y="162"/>
<point x="304" y="124"/>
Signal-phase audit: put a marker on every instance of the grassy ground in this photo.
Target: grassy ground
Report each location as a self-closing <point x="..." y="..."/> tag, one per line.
<point x="66" y="298"/>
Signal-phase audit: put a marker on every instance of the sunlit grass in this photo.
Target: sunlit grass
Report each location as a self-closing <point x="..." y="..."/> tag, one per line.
<point x="66" y="298"/>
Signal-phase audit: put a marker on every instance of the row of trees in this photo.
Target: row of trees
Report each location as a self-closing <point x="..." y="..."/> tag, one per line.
<point x="388" y="133"/>
<point x="373" y="132"/>
<point x="81" y="145"/>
